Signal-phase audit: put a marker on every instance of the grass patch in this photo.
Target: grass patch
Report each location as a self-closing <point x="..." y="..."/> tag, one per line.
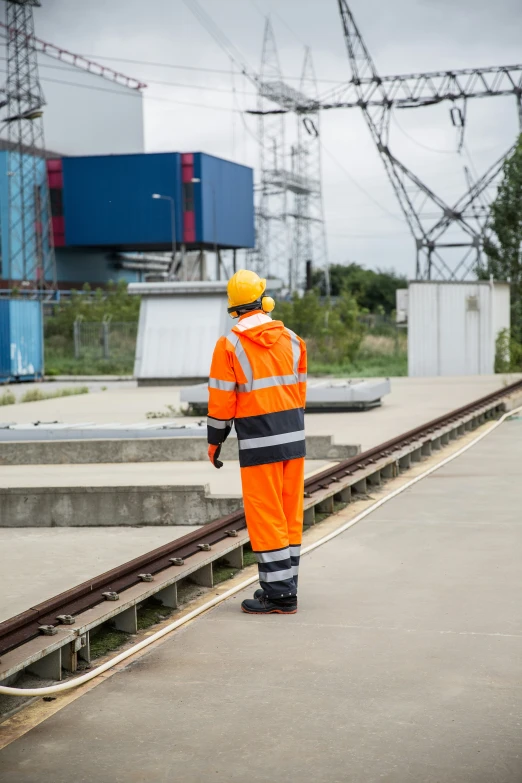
<point x="106" y="640"/>
<point x="222" y="571"/>
<point x="56" y="364"/>
<point x="248" y="557"/>
<point x="374" y="366"/>
<point x="188" y="591"/>
<point x="152" y="611"/>
<point x="36" y="395"/>
<point x="7" y="398"/>
<point x="168" y="414"/>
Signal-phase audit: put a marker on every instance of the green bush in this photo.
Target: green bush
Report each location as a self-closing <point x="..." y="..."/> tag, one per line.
<point x="7" y="398"/>
<point x="333" y="334"/>
<point x="115" y="302"/>
<point x="508" y="353"/>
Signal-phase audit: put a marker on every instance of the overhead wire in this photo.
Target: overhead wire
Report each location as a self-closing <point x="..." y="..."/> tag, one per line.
<point x="176" y="66"/>
<point x="221" y="39"/>
<point x="418" y="143"/>
<point x="136" y="94"/>
<point x="358" y="184"/>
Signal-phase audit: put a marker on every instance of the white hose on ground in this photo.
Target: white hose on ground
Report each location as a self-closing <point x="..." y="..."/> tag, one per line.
<point x="66" y="686"/>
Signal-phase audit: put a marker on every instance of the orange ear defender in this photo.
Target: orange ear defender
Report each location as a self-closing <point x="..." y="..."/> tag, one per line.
<point x="267" y="304"/>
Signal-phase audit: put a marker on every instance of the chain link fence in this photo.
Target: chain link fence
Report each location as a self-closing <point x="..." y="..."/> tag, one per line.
<point x="104" y="340"/>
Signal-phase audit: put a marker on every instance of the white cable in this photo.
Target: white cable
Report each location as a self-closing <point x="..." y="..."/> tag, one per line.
<point x="66" y="686"/>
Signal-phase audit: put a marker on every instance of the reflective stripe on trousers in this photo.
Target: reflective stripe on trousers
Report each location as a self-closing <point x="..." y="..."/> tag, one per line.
<point x="273" y="497"/>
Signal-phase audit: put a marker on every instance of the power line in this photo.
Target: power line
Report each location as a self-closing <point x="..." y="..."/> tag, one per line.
<point x="221" y="39"/>
<point x="76" y="70"/>
<point x="135" y="94"/>
<point x="223" y="71"/>
<point x="418" y="143"/>
<point x="377" y="237"/>
<point x="359" y="186"/>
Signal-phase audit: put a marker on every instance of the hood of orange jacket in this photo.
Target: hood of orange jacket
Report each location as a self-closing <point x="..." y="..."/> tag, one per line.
<point x="266" y="334"/>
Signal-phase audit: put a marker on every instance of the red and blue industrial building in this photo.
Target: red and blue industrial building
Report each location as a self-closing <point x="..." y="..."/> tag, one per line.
<point x="103" y="206"/>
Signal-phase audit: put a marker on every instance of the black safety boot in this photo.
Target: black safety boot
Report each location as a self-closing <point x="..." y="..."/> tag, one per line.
<point x="264" y="605"/>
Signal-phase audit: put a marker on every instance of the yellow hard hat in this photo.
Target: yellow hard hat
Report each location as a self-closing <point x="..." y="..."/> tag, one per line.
<point x="246" y="288"/>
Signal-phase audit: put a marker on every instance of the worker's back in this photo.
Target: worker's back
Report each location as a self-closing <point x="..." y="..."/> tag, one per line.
<point x="258" y="376"/>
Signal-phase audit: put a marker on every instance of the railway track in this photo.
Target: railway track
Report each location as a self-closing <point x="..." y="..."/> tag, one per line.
<point x="59" y="627"/>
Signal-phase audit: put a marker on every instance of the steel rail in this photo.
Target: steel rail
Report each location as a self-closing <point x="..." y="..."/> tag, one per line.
<point x="25" y="626"/>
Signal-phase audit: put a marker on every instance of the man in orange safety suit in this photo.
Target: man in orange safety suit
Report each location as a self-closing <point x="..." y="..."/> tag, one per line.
<point x="258" y="381"/>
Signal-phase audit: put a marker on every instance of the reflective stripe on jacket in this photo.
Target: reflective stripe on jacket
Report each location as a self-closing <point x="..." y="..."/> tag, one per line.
<point x="258" y="380"/>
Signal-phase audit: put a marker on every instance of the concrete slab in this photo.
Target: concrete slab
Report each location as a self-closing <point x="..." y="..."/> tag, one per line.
<point x="130" y="495"/>
<point x="225" y="481"/>
<point x="412" y="402"/>
<point x="37" y="563"/>
<point x="403" y="664"/>
<point x="41" y="446"/>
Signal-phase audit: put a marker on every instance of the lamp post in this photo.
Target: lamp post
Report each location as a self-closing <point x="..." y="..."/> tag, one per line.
<point x="173" y="227"/>
<point x="196" y="181"/>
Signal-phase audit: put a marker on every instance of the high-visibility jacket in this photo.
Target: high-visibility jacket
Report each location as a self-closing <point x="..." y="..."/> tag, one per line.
<point x="258" y="381"/>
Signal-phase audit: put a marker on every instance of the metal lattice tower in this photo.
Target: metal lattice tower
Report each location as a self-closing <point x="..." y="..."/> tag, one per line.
<point x="272" y="241"/>
<point x="449" y="239"/>
<point x="31" y="259"/>
<point x="454" y="229"/>
<point x="290" y="224"/>
<point x="309" y="240"/>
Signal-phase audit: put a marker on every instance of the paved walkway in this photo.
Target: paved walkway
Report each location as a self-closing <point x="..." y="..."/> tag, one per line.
<point x="39" y="563"/>
<point x="404" y="663"/>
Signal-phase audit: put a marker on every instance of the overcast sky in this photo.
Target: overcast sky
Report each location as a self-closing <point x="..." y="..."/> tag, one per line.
<point x="403" y="36"/>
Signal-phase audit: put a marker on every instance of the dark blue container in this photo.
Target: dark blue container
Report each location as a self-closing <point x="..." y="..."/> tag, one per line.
<point x="107" y="200"/>
<point x="224" y="202"/>
<point x="21" y="340"/>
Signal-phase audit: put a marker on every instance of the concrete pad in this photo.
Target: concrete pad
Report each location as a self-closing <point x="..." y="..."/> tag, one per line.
<point x="37" y="563"/>
<point x="403" y="664"/>
<point x="225" y="481"/>
<point x="412" y="402"/>
<point x="114" y="495"/>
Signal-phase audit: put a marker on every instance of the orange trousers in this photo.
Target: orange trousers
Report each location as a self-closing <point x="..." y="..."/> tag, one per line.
<point x="273" y="497"/>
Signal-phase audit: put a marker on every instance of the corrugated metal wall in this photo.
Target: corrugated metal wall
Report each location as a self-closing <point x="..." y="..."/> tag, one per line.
<point x="452" y="328"/>
<point x="5" y="341"/>
<point x="21" y="339"/>
<point x="26" y="337"/>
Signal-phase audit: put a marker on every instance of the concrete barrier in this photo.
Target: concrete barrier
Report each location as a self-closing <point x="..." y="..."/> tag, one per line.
<point x="177" y="449"/>
<point x="112" y="506"/>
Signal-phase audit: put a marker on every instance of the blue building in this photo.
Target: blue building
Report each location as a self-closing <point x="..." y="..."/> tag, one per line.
<point x="103" y="208"/>
<point x="103" y="211"/>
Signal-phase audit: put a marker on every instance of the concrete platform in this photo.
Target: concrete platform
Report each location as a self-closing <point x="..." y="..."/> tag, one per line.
<point x="404" y="663"/>
<point x="411" y="402"/>
<point x="172" y="493"/>
<point x="37" y="564"/>
<point x="41" y="446"/>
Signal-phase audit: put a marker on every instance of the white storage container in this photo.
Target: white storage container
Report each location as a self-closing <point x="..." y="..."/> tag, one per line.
<point x="453" y="327"/>
<point x="179" y="326"/>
